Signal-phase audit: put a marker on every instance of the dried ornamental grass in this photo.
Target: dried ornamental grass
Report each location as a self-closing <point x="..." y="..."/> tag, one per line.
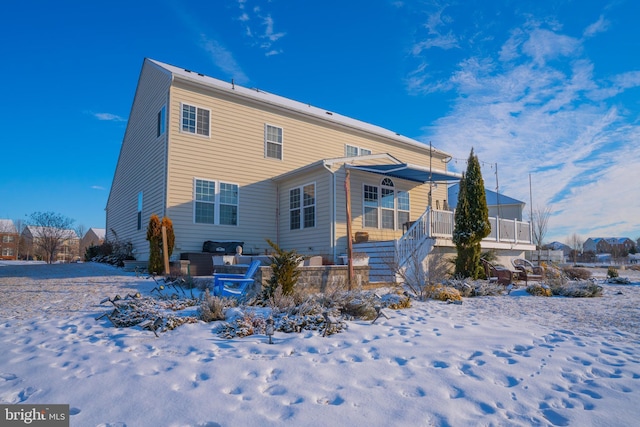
<point x="539" y="290"/>
<point x="442" y="293"/>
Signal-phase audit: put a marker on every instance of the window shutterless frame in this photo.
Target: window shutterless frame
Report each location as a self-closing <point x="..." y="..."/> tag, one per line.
<point x="273" y="142"/>
<point x="195" y="120"/>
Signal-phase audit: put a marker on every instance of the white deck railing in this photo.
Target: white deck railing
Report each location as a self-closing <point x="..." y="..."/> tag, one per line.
<point x="439" y="224"/>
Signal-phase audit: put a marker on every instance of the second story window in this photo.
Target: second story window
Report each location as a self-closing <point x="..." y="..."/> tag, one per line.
<point x="353" y="151"/>
<point x="161" y="120"/>
<point x="273" y="142"/>
<point x="195" y="120"/>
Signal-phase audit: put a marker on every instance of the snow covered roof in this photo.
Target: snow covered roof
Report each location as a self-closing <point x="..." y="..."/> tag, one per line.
<point x="99" y="232"/>
<point x="610" y="240"/>
<point x="7" y="226"/>
<point x="289" y="104"/>
<point x="37" y="231"/>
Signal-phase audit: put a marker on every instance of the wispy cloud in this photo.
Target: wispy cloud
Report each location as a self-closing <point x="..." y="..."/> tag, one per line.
<point x="535" y="107"/>
<point x="224" y="59"/>
<point x="98" y="187"/>
<point x="220" y="55"/>
<point x="260" y="28"/>
<point x="109" y="117"/>
<point x="601" y="25"/>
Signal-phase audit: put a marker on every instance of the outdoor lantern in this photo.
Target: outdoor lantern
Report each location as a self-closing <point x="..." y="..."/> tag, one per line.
<point x="269" y="329"/>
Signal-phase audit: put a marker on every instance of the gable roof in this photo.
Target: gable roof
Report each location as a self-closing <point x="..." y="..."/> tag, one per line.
<point x="7" y="226"/>
<point x="263" y="97"/>
<point x="99" y="232"/>
<point x="610" y="240"/>
<point x="493" y="198"/>
<point x="37" y="231"/>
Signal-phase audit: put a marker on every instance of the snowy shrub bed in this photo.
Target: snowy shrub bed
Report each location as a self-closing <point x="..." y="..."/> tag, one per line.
<point x="539" y="290"/>
<point x="475" y="288"/>
<point x="578" y="289"/>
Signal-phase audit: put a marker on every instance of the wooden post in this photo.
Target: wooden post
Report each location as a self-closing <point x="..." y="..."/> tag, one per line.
<point x="165" y="251"/>
<point x="347" y="194"/>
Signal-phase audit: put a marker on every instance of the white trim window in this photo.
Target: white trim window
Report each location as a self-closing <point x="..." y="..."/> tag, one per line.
<point x="273" y="142"/>
<point x="215" y="202"/>
<point x="384" y="206"/>
<point x="353" y="151"/>
<point x="7" y="251"/>
<point x="195" y="120"/>
<point x="302" y="207"/>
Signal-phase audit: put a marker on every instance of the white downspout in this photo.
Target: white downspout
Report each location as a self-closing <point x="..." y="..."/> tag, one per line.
<point x="332" y="234"/>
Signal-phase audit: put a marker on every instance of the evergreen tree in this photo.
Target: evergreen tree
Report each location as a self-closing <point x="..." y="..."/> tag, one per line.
<point x="154" y="236"/>
<point x="171" y="237"/>
<point x="471" y="220"/>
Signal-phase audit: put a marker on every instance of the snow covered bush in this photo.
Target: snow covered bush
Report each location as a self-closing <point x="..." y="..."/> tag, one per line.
<point x="578" y="289"/>
<point x="475" y="288"/>
<point x="577" y="273"/>
<point x="213" y="308"/>
<point x="442" y="293"/>
<point x="539" y="290"/>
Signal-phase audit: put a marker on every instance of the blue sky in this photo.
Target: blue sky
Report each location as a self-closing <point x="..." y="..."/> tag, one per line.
<point x="549" y="91"/>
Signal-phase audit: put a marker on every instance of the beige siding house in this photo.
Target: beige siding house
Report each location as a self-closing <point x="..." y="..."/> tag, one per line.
<point x="228" y="163"/>
<point x="93" y="237"/>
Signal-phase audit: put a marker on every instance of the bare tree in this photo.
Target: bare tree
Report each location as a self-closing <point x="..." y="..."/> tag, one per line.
<point x="575" y="242"/>
<point x="52" y="230"/>
<point x="539" y="223"/>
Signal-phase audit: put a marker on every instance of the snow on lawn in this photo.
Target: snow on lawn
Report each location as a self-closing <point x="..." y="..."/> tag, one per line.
<point x="506" y="360"/>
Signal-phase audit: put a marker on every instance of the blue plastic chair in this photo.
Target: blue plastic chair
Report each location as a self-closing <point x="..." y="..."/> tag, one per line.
<point x="234" y="285"/>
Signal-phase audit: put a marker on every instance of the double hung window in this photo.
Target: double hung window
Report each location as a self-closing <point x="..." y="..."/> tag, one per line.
<point x="273" y="142"/>
<point x="215" y="202"/>
<point x="195" y="120"/>
<point x="302" y="207"/>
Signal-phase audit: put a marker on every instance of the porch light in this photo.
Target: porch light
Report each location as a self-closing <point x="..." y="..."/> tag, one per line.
<point x="270" y="329"/>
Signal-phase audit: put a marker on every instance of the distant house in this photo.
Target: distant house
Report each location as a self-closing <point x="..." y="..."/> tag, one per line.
<point x="558" y="246"/>
<point x="35" y="238"/>
<point x="232" y="164"/>
<point x="9" y="240"/>
<point x="93" y="237"/>
<point x="608" y="245"/>
<point x="499" y="205"/>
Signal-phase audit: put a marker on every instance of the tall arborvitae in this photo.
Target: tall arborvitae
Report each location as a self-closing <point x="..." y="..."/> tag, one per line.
<point x="471" y="220"/>
<point x="154" y="236"/>
<point x="171" y="237"/>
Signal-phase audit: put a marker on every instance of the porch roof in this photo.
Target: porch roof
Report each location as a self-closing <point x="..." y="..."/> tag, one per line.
<point x="409" y="172"/>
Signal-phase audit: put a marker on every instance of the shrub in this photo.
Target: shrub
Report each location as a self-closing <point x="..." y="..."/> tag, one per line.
<point x="285" y="271"/>
<point x="578" y="289"/>
<point x="442" y="293"/>
<point x="213" y="308"/>
<point x="612" y="272"/>
<point x="576" y="273"/>
<point x="538" y="290"/>
<point x="110" y="252"/>
<point x="475" y="288"/>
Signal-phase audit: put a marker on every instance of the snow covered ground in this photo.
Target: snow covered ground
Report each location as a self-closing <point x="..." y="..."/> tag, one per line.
<point x="512" y="360"/>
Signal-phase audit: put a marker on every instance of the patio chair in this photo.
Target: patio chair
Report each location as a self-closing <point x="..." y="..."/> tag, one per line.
<point x="234" y="285"/>
<point x="497" y="274"/>
<point x="527" y="271"/>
